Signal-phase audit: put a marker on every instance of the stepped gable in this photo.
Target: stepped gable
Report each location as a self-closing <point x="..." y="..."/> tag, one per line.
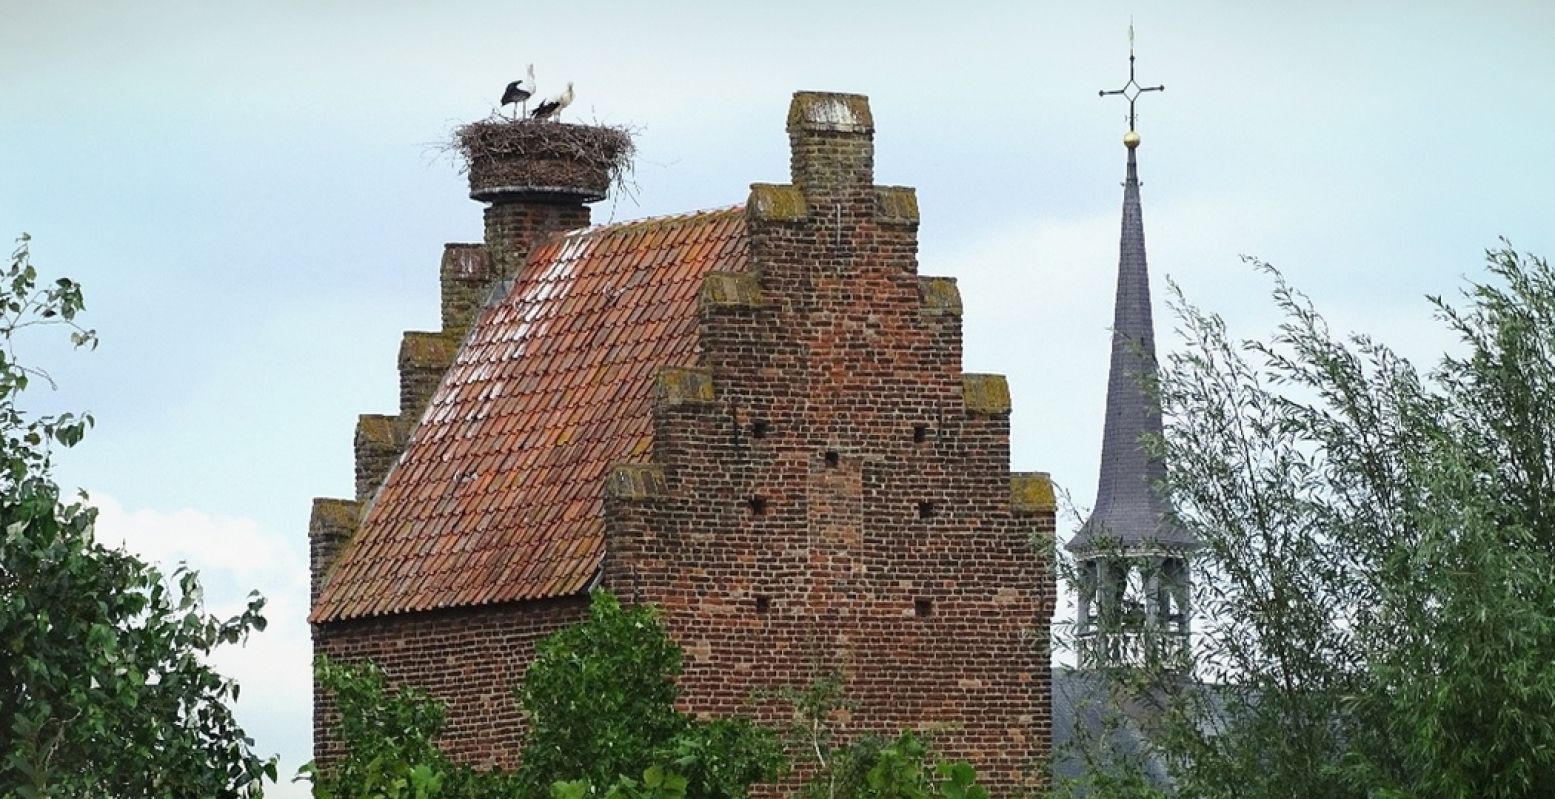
<point x="499" y="495"/>
<point x="755" y="420"/>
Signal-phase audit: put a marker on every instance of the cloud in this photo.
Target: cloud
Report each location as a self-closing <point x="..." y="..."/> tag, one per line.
<point x="234" y="556"/>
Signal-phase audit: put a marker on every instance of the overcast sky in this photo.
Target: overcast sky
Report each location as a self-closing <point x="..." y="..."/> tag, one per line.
<point x="253" y="196"/>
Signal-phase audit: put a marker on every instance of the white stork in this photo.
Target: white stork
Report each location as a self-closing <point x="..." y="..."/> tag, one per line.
<point x="520" y="91"/>
<point x="551" y="106"/>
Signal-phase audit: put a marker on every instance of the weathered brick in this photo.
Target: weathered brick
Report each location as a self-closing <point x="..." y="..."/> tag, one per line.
<point x="330" y="527"/>
<point x="825" y="493"/>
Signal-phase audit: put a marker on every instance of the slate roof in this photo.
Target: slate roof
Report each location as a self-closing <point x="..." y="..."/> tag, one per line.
<point x="1089" y="722"/>
<point x="1128" y="509"/>
<point x="499" y="495"/>
<point x="1095" y="726"/>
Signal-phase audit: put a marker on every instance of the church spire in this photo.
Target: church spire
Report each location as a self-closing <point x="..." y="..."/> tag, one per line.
<point x="1132" y="554"/>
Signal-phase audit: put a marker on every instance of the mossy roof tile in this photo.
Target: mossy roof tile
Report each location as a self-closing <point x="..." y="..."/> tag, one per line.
<point x="554" y="384"/>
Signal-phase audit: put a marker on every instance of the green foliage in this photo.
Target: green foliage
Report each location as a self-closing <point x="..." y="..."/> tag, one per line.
<point x="599" y="696"/>
<point x="602" y="723"/>
<point x="1379" y="560"/>
<point x="657" y="782"/>
<point x="104" y="687"/>
<point x="390" y="743"/>
<point x="599" y="699"/>
<point x="870" y="767"/>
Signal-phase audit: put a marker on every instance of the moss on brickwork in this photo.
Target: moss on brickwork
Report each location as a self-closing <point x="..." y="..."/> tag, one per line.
<point x="730" y="289"/>
<point x="776" y="203"/>
<point x="985" y="393"/>
<point x="427" y="350"/>
<point x="680" y="386"/>
<point x="940" y="295"/>
<point x="334" y="515"/>
<point x="330" y="527"/>
<point x="1032" y="492"/>
<point x="379" y="430"/>
<point x="636" y="481"/>
<point x="840" y="501"/>
<point x="896" y="205"/>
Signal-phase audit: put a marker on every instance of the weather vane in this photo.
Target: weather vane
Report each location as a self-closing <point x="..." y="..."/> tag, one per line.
<point x="1132" y="89"/>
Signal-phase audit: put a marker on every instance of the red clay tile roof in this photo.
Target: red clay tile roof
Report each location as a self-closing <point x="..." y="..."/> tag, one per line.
<point x="499" y="496"/>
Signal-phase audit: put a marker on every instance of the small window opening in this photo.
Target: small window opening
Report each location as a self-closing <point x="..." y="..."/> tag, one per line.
<point x="832" y="459"/>
<point x="763" y="604"/>
<point x="926" y="510"/>
<point x="758" y="506"/>
<point x="923" y="608"/>
<point x="920" y="433"/>
<point x="760" y="428"/>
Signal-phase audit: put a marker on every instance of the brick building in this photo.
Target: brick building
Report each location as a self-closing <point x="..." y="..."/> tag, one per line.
<point x="754" y="418"/>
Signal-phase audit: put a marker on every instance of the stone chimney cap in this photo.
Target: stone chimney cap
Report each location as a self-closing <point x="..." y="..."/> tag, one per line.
<point x="830" y="111"/>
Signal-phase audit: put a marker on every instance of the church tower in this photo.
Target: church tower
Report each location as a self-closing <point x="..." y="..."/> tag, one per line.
<point x="1132" y="556"/>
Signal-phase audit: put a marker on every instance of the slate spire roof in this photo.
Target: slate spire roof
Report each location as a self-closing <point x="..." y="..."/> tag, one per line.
<point x="1129" y="511"/>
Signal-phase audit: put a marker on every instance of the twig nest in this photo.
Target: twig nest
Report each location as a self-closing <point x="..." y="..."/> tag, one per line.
<point x="506" y="158"/>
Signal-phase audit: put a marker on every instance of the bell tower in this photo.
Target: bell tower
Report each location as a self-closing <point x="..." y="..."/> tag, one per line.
<point x="1134" y="580"/>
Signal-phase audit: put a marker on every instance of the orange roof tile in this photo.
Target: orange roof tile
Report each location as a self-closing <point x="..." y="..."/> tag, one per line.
<point x="499" y="496"/>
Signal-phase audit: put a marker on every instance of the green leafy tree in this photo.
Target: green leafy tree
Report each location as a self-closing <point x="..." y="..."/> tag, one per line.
<point x="600" y="702"/>
<point x="599" y="698"/>
<point x="1378" y="569"/>
<point x="390" y="744"/>
<point x="104" y="684"/>
<point x="870" y="766"/>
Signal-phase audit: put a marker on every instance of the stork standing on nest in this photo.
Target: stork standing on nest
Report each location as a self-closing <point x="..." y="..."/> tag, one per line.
<point x="519" y="91"/>
<point x="551" y="106"/>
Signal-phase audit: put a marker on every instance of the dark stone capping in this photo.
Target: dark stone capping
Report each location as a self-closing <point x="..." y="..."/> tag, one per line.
<point x="676" y="385"/>
<point x="985" y="394"/>
<point x="463" y="261"/>
<point x="334" y="516"/>
<point x="939" y="296"/>
<point x="730" y="289"/>
<point x="1032" y="492"/>
<point x="830" y="111"/>
<point x="419" y="349"/>
<point x="636" y="481"/>
<point x="896" y="205"/>
<point x="380" y="430"/>
<point x="776" y="203"/>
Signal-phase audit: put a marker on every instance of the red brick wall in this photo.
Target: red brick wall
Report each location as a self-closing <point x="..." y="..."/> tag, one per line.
<point x="470" y="659"/>
<point x="897" y="563"/>
<point x="847" y="352"/>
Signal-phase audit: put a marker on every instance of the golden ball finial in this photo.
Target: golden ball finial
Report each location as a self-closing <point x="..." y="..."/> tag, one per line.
<point x="1131" y="139"/>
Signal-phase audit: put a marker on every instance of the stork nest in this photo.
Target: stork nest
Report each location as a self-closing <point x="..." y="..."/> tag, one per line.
<point x="500" y="154"/>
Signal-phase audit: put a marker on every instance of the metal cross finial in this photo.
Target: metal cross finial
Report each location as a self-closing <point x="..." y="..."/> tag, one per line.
<point x="1132" y="89"/>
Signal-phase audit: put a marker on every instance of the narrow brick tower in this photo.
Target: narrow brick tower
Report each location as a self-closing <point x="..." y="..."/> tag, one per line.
<point x="754" y="418"/>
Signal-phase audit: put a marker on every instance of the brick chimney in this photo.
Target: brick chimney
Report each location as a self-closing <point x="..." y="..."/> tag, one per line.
<point x="537" y="179"/>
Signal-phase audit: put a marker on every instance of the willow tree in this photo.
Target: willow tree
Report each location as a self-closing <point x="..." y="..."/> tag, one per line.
<point x="1377" y="581"/>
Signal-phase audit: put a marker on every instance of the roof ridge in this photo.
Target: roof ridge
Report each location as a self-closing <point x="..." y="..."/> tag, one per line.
<point x="685" y="216"/>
